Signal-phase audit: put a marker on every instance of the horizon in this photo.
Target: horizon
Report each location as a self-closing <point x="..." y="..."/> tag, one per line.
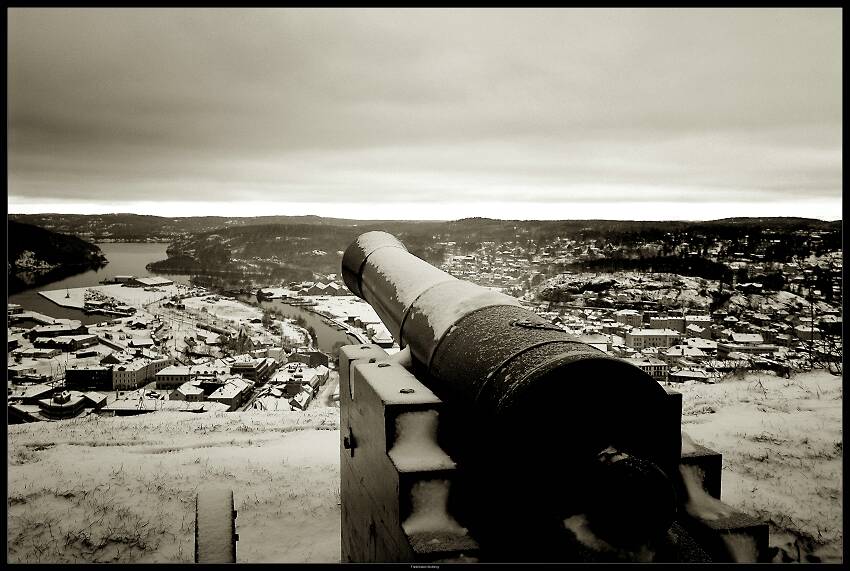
<point x="430" y="220"/>
<point x="428" y="114"/>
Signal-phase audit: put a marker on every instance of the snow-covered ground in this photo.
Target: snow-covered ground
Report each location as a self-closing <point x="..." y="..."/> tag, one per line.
<point x="122" y="489"/>
<point x="345" y="306"/>
<point x="235" y="312"/>
<point x="226" y="309"/>
<point x="132" y="296"/>
<point x="775" y="301"/>
<point x="782" y="447"/>
<point x="55" y="365"/>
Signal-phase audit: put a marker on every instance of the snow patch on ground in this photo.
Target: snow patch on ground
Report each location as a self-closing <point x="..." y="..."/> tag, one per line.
<point x="122" y="489"/>
<point x="782" y="447"/>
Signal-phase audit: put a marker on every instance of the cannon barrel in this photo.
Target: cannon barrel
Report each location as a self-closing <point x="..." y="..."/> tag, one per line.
<point x="545" y="426"/>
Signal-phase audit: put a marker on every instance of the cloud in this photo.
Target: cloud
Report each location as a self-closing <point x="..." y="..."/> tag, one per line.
<point x="361" y="106"/>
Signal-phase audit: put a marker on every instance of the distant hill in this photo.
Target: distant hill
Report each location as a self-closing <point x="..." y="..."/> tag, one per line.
<point x="139" y="228"/>
<point x="37" y="255"/>
<point x="280" y="251"/>
<point x="293" y="248"/>
<point x="135" y="227"/>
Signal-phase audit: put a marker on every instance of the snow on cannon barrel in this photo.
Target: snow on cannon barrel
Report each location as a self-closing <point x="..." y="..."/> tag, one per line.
<point x="543" y="429"/>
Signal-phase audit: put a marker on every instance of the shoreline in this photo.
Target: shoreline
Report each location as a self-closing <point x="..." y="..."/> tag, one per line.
<point x="329" y="321"/>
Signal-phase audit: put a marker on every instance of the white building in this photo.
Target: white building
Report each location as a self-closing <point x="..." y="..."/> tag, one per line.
<point x="641" y="338"/>
<point x="629" y="317"/>
<point x="655" y="368"/>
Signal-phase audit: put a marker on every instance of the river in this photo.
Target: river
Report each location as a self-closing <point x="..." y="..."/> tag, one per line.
<point x="130" y="258"/>
<point x="125" y="258"/>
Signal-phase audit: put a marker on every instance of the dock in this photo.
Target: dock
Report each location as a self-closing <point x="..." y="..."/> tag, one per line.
<point x="72" y="298"/>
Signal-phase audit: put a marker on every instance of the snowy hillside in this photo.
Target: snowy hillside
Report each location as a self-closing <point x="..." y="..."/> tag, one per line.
<point x="122" y="489"/>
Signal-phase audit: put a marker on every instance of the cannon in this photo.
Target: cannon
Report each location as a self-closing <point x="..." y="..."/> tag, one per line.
<point x="500" y="437"/>
<point x="495" y="436"/>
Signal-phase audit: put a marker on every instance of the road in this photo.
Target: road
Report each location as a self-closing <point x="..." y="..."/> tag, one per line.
<point x="325" y="397"/>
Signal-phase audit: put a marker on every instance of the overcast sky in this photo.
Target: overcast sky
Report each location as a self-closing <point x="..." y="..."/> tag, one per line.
<point x="426" y="114"/>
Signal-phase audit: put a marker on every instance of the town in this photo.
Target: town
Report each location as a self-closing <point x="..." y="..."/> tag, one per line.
<point x="760" y="314"/>
<point x="180" y="348"/>
<point x="171" y="346"/>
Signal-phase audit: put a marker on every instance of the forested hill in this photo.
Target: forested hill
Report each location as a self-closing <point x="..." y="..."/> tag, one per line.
<point x="295" y="251"/>
<point x="300" y="247"/>
<point x="37" y="255"/>
<point x="135" y="227"/>
<point x="140" y="228"/>
<point x="290" y="251"/>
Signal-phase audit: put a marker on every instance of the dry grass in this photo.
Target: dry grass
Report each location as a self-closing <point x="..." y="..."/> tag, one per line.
<point x="781" y="441"/>
<point x="123" y="489"/>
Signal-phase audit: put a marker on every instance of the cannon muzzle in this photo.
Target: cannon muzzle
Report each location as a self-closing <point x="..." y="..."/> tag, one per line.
<point x="544" y="427"/>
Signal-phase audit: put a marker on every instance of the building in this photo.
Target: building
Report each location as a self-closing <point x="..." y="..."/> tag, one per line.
<point x="131" y="372"/>
<point x="31" y="394"/>
<point x="684" y="352"/>
<point x="760" y="319"/>
<point x="309" y="358"/>
<point x="747" y="338"/>
<point x="691" y="375"/>
<point x="130" y="375"/>
<point x="256" y="370"/>
<point x="141" y="343"/>
<point x="317" y="288"/>
<point x="336" y="289"/>
<point x="83" y="353"/>
<point x="189" y="391"/>
<point x="172" y="377"/>
<point x="36" y="352"/>
<point x="699" y="320"/>
<point x="232" y="393"/>
<point x="117" y="358"/>
<point x="301" y="400"/>
<point x="57" y="330"/>
<point x="322" y="373"/>
<point x="94" y="377"/>
<point x="724" y="350"/>
<point x="63" y="405"/>
<point x="695" y="330"/>
<point x="641" y="338"/>
<point x="156" y="363"/>
<point x="67" y="343"/>
<point x="629" y="317"/>
<point x="13" y="371"/>
<point x="149" y="282"/>
<point x="655" y="368"/>
<point x="674" y="323"/>
<point x="750" y="288"/>
<point x="295" y="377"/>
<point x="707" y="346"/>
